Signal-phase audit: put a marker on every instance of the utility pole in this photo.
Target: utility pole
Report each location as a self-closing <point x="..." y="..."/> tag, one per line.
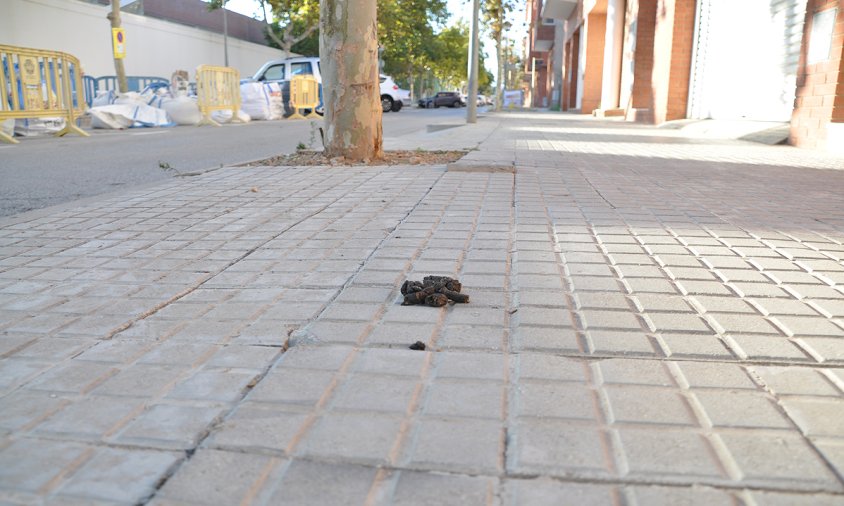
<point x="225" y="36"/>
<point x="472" y="96"/>
<point x="119" y="69"/>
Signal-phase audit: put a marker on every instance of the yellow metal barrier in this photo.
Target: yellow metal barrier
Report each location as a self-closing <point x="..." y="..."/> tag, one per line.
<point x="37" y="84"/>
<point x="304" y="94"/>
<point x="217" y="89"/>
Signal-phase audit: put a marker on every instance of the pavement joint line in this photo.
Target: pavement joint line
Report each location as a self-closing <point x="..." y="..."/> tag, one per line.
<point x="319" y="409"/>
<point x="511" y="297"/>
<point x="409" y="424"/>
<point x="733" y="234"/>
<point x="256" y="380"/>
<point x="795" y="426"/>
<point x="504" y="476"/>
<point x="231" y="263"/>
<point x="350" y="280"/>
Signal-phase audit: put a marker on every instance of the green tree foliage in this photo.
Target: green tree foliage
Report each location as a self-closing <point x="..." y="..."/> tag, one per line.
<point x="450" y="58"/>
<point x="494" y="14"/>
<point x="295" y="27"/>
<point x="406" y="34"/>
<point x="409" y="32"/>
<point x="495" y="18"/>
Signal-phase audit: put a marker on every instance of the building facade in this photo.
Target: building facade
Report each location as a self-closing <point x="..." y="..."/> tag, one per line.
<point x="660" y="60"/>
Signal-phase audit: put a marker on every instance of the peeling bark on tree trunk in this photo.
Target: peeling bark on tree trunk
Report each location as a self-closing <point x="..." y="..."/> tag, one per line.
<point x="348" y="50"/>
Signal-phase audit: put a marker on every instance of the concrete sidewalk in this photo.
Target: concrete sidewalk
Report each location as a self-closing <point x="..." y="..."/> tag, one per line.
<point x="654" y="319"/>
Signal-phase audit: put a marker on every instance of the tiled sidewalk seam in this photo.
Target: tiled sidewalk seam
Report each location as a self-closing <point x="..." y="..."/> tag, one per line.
<point x="163" y="424"/>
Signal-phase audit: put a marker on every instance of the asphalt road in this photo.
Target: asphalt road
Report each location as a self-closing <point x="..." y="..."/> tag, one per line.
<point x="45" y="171"/>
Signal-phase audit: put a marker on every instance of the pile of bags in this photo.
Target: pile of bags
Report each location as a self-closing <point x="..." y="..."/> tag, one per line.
<point x="131" y="110"/>
<point x="163" y="106"/>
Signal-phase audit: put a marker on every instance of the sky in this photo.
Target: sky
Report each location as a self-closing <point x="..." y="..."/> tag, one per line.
<point x="458" y="9"/>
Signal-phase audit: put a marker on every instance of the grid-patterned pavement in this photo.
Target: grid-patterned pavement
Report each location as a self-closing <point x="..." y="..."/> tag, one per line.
<point x="653" y="320"/>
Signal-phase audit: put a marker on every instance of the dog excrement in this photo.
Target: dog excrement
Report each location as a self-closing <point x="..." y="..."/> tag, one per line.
<point x="435" y="291"/>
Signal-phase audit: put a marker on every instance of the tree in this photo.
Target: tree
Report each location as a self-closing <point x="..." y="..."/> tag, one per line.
<point x="449" y="58"/>
<point x="348" y="53"/>
<point x="406" y="35"/>
<point x="296" y="21"/>
<point x="495" y="14"/>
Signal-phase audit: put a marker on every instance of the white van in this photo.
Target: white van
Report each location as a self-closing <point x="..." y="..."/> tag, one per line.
<point x="282" y="70"/>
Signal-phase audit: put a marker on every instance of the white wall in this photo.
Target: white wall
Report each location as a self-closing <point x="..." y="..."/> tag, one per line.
<point x="153" y="47"/>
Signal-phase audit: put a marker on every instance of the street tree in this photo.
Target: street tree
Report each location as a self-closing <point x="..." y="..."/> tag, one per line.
<point x="295" y="21"/>
<point x="406" y="34"/>
<point x="348" y="53"/>
<point x="495" y="18"/>
<point x="450" y="58"/>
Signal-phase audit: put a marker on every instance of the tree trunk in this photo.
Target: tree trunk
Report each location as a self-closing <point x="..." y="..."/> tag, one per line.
<point x="412" y="90"/>
<point x="119" y="70"/>
<point x="348" y="50"/>
<point x="500" y="81"/>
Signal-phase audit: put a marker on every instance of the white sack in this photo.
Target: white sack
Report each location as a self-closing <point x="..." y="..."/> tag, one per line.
<point x="276" y="103"/>
<point x="8" y="127"/>
<point x="225" y="116"/>
<point x="31" y="127"/>
<point x="255" y="100"/>
<point x="182" y="110"/>
<point x="104" y="97"/>
<point x="128" y="116"/>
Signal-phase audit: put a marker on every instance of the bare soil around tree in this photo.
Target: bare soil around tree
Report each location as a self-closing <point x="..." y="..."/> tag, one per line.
<point x="397" y="157"/>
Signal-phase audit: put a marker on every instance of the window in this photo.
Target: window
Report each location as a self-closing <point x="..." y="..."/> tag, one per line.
<point x="548" y="21"/>
<point x="301" y="68"/>
<point x="274" y="73"/>
<point x="820" y="40"/>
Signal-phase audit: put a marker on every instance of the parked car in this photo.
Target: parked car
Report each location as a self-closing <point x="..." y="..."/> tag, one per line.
<point x="442" y="98"/>
<point x="282" y="70"/>
<point x="392" y="97"/>
<point x="482" y="100"/>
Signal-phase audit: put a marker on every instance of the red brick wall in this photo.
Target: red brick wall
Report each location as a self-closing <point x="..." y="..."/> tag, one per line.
<point x="593" y="73"/>
<point x="662" y="61"/>
<point x="838" y="103"/>
<point x="820" y="86"/>
<point x="540" y="84"/>
<point x="571" y="71"/>
<point x="642" y="96"/>
<point x="681" y="59"/>
<point x="628" y="51"/>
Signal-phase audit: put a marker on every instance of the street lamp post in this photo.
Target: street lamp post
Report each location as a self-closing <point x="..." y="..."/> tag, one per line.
<point x="472" y="97"/>
<point x="225" y="36"/>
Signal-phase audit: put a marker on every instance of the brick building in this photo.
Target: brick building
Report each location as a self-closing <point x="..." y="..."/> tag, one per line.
<point x="540" y="38"/>
<point x="661" y="60"/>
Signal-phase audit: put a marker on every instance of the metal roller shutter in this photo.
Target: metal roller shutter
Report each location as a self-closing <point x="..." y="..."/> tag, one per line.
<point x="745" y="60"/>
